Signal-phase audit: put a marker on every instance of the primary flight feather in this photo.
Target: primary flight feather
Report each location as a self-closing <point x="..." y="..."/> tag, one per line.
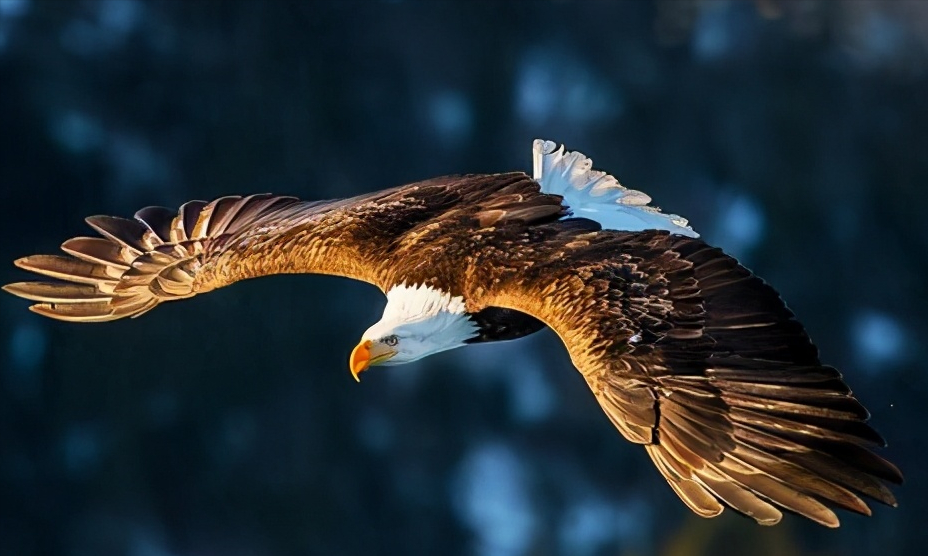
<point x="688" y="353"/>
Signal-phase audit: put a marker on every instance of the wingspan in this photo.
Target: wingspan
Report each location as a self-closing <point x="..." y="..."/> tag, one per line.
<point x="697" y="359"/>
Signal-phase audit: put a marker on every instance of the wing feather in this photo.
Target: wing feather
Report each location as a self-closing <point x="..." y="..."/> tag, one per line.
<point x="57" y="292"/>
<point x="120" y="231"/>
<point x="692" y="493"/>
<point x="99" y="251"/>
<point x="159" y="220"/>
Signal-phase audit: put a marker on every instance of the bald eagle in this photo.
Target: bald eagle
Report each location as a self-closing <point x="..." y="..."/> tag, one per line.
<point x="688" y="353"/>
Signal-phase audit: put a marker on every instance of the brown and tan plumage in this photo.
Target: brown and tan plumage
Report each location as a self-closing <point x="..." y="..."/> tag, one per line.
<point x="165" y="255"/>
<point x="687" y="352"/>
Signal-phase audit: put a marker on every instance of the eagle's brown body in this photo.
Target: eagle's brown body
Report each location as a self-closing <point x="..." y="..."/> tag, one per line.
<point x="688" y="353"/>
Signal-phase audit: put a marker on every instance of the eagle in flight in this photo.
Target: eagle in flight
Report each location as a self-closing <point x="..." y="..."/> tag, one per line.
<point x="688" y="353"/>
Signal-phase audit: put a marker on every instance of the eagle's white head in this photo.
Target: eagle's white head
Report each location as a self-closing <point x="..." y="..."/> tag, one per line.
<point x="417" y="321"/>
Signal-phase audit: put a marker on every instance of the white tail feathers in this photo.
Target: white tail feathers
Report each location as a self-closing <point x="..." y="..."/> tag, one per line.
<point x="597" y="195"/>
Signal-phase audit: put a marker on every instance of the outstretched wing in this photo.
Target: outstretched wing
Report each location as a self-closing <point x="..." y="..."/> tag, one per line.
<point x="700" y="361"/>
<point x="163" y="255"/>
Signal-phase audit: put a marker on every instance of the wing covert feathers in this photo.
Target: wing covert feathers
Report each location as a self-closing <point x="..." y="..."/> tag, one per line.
<point x="700" y="361"/>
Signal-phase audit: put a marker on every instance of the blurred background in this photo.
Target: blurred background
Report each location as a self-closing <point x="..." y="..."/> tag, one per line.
<point x="793" y="134"/>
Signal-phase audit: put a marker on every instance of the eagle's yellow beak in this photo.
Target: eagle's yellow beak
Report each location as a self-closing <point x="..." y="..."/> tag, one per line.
<point x="368" y="353"/>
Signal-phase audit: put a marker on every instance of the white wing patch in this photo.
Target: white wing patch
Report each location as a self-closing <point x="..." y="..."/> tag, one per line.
<point x="597" y="195"/>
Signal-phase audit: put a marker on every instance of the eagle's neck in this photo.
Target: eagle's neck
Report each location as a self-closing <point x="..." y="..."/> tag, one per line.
<point x="417" y="302"/>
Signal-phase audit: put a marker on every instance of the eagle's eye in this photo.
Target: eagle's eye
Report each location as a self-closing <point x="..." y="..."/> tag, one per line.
<point x="391" y="340"/>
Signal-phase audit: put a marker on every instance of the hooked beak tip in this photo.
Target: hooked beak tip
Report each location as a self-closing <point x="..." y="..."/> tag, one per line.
<point x="360" y="359"/>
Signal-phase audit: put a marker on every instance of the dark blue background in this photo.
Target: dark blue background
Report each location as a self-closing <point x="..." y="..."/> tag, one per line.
<point x="793" y="134"/>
